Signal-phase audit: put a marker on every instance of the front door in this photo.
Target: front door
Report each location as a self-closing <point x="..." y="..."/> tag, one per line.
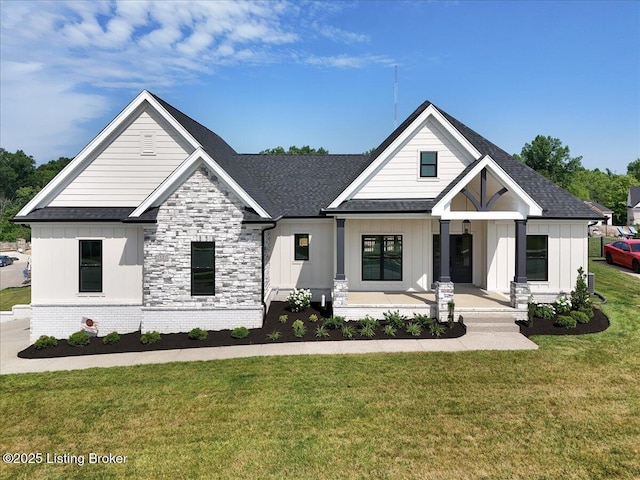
<point x="460" y="260"/>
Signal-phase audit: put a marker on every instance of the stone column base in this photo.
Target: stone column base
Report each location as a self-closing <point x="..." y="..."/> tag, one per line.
<point x="520" y="294"/>
<point x="444" y="295"/>
<point x="340" y="293"/>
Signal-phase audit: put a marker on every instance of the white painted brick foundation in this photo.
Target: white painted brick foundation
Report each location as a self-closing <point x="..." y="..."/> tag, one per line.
<point x="61" y="321"/>
<point x="354" y="313"/>
<point x="175" y="320"/>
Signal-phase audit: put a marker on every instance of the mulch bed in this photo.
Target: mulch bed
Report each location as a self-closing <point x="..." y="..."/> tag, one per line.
<point x="598" y="323"/>
<point x="130" y="342"/>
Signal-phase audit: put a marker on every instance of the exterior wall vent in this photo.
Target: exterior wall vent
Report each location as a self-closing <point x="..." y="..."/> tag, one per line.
<point x="147" y="143"/>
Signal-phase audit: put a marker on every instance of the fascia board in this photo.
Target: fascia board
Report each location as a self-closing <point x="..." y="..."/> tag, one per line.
<point x="180" y="174"/>
<point x="59" y="182"/>
<point x="487" y="161"/>
<point x="430" y="111"/>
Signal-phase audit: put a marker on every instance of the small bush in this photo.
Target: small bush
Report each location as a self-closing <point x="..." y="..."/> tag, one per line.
<point x="111" y="338"/>
<point x="436" y="329"/>
<point x="299" y="328"/>
<point x="313" y="318"/>
<point x="299" y="299"/>
<point x="198" y="334"/>
<point x="562" y="305"/>
<point x="395" y="319"/>
<point x="390" y="330"/>
<point x="148" y="338"/>
<point x="348" y="331"/>
<point x="240" y="332"/>
<point x="283" y="318"/>
<point x="321" y="331"/>
<point x="334" y="323"/>
<point x="367" y="331"/>
<point x="422" y="320"/>
<point x="580" y="297"/>
<point x="579" y="317"/>
<point x="79" y="339"/>
<point x="45" y="341"/>
<point x="565" y="321"/>
<point x="588" y="311"/>
<point x="273" y="336"/>
<point x="545" y="311"/>
<point x="368" y="321"/>
<point x="414" y="329"/>
<point x="531" y="312"/>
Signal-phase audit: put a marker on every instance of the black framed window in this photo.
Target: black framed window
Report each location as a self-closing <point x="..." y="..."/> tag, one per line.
<point x="428" y="164"/>
<point x="202" y="268"/>
<point x="301" y="241"/>
<point x="382" y="257"/>
<point x="537" y="257"/>
<point x="90" y="266"/>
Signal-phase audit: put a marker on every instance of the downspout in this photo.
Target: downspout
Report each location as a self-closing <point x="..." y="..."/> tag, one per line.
<point x="264" y="304"/>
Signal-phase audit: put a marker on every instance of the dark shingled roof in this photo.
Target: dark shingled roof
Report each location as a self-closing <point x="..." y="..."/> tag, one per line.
<point x="634" y="196"/>
<point x="409" y="205"/>
<point x="73" y="214"/>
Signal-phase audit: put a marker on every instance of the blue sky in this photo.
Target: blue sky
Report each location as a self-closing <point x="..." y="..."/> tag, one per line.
<point x="263" y="74"/>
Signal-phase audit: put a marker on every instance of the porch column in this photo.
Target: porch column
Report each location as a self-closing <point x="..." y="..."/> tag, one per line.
<point x="444" y="251"/>
<point x="521" y="252"/>
<point x="340" y="249"/>
<point x="444" y="285"/>
<point x="340" y="290"/>
<point x="519" y="289"/>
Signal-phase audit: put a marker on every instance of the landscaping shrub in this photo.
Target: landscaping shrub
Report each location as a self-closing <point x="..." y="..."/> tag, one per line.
<point x="422" y="320"/>
<point x="45" y="341"/>
<point x="299" y="299"/>
<point x="565" y="321"/>
<point x="436" y="329"/>
<point x="545" y="311"/>
<point x="148" y="338"/>
<point x="451" y="306"/>
<point x="240" y="332"/>
<point x="313" y="318"/>
<point x="348" y="331"/>
<point x="334" y="323"/>
<point x="111" y="338"/>
<point x="562" y="305"/>
<point x="531" y="312"/>
<point x="579" y="317"/>
<point x="321" y="331"/>
<point x="414" y="329"/>
<point x="79" y="339"/>
<point x="580" y="297"/>
<point x="367" y="331"/>
<point x="198" y="334"/>
<point x="299" y="328"/>
<point x="273" y="336"/>
<point x="395" y="319"/>
<point x="368" y="321"/>
<point x="588" y="311"/>
<point x="283" y="318"/>
<point x="390" y="330"/>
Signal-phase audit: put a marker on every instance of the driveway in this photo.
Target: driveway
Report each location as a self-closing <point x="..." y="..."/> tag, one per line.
<point x="11" y="275"/>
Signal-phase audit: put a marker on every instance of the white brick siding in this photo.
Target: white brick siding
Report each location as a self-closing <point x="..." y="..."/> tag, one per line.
<point x="176" y="319"/>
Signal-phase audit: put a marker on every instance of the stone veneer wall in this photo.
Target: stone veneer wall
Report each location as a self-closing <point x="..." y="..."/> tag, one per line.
<point x="202" y="209"/>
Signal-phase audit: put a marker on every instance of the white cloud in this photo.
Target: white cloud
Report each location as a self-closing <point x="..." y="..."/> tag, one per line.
<point x="52" y="51"/>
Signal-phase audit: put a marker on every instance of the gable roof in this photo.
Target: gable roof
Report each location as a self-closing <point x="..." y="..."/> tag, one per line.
<point x="598" y="207"/>
<point x="634" y="197"/>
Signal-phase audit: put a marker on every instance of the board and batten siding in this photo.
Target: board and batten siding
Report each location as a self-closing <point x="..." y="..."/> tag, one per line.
<point x="56" y="264"/>
<point x="567" y="251"/>
<point x="399" y="177"/>
<point x="286" y="273"/>
<point x="122" y="174"/>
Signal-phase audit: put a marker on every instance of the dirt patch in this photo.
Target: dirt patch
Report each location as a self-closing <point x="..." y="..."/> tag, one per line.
<point x="598" y="323"/>
<point x="130" y="342"/>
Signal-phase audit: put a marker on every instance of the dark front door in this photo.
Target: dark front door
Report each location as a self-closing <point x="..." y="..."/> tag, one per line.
<point x="460" y="248"/>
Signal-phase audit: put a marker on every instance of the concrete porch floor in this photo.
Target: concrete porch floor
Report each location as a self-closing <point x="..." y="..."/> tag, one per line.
<point x="465" y="296"/>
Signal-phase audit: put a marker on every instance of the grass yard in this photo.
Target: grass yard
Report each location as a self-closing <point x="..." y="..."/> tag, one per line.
<point x="570" y="410"/>
<point x="14" y="296"/>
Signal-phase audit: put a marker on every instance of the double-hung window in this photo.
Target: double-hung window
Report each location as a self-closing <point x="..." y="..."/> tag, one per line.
<point x="202" y="268"/>
<point x="537" y="257"/>
<point x="382" y="257"/>
<point x="90" y="266"/>
<point x="428" y="164"/>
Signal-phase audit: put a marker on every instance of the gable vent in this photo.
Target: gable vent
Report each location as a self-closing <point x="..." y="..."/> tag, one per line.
<point x="147" y="142"/>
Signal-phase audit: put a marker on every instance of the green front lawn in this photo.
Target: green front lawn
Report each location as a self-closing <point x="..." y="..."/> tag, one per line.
<point x="570" y="410"/>
<point x="14" y="296"/>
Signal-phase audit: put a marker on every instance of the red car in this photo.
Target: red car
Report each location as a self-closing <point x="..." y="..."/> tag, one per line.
<point x="625" y="253"/>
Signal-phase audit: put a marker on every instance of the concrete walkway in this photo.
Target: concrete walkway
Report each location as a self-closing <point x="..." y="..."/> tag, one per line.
<point x="14" y="337"/>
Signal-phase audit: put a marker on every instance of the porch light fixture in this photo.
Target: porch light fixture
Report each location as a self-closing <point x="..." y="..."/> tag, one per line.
<point x="466" y="225"/>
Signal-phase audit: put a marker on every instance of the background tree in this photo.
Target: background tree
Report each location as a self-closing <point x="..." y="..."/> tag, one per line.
<point x="633" y="169"/>
<point x="293" y="150"/>
<point x="547" y="155"/>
